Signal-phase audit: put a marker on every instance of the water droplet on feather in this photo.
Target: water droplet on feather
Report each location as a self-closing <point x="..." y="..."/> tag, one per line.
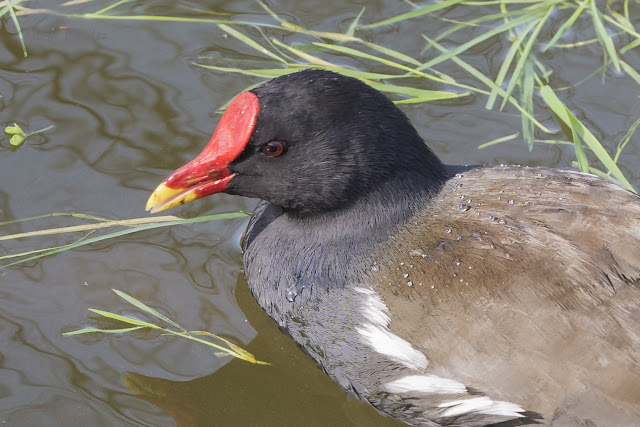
<point x="294" y="290"/>
<point x="418" y="252"/>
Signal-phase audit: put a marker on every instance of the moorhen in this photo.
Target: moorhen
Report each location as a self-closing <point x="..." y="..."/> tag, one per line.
<point x="441" y="295"/>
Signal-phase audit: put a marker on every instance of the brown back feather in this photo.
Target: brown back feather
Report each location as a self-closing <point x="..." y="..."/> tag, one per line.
<point x="524" y="284"/>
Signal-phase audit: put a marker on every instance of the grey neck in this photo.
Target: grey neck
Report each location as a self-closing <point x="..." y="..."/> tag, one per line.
<point x="290" y="258"/>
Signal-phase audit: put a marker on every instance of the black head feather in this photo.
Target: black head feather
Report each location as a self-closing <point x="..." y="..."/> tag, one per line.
<point x="343" y="140"/>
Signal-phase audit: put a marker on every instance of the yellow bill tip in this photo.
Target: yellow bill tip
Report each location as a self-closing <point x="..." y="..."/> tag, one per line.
<point x="164" y="197"/>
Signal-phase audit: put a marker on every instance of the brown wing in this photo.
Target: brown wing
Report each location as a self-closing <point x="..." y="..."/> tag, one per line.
<point x="524" y="284"/>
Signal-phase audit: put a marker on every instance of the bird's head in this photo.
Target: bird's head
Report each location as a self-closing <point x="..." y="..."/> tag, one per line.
<point x="309" y="142"/>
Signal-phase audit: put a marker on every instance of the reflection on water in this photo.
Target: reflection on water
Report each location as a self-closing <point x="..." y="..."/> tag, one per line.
<point x="128" y="107"/>
<point x="292" y="391"/>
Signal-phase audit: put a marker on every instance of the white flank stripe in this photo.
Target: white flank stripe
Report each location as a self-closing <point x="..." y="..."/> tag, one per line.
<point x="481" y="405"/>
<point x="377" y="334"/>
<point x="374" y="310"/>
<point x="389" y="344"/>
<point x="381" y="339"/>
<point x="425" y="384"/>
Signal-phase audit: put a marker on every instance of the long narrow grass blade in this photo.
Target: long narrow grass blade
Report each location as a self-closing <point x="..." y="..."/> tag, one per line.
<point x="245" y="355"/>
<point x="37" y="251"/>
<point x="269" y="11"/>
<point x="74" y="2"/>
<point x="362" y="75"/>
<point x="339" y="37"/>
<point x="563" y="113"/>
<point x="226" y="350"/>
<point x="104" y="331"/>
<point x="602" y="175"/>
<point x="276" y="72"/>
<point x="128" y="231"/>
<point x="506" y="64"/>
<point x="285" y="25"/>
<point x="604" y="37"/>
<point x="224" y="61"/>
<point x="392" y="53"/>
<point x="436" y="96"/>
<point x="524" y="56"/>
<point x="72" y="214"/>
<point x="309" y="58"/>
<point x="268" y="73"/>
<point x="124" y="319"/>
<point x="623" y="143"/>
<point x="476" y="40"/>
<point x="621" y="22"/>
<point x="526" y="100"/>
<point x="355" y="52"/>
<point x="160" y="18"/>
<point x="204" y="11"/>
<point x="498" y="140"/>
<point x="232" y="349"/>
<point x="108" y="8"/>
<point x="630" y="71"/>
<point x="354" y="24"/>
<point x="594" y="145"/>
<point x="307" y="48"/>
<point x="572" y="86"/>
<point x="423" y="94"/>
<point x="500" y="2"/>
<point x="555" y="141"/>
<point x="581" y="157"/>
<point x="14" y="18"/>
<point x="537" y="6"/>
<point x="229" y="352"/>
<point x="411" y="72"/>
<point x="273" y="46"/>
<point x="578" y="44"/>
<point x="487" y="81"/>
<point x="239" y="350"/>
<point x="634" y="44"/>
<point x="503" y="10"/>
<point x="468" y="68"/>
<point x="564" y="27"/>
<point x="85" y="227"/>
<point x="626" y="9"/>
<point x="144" y="307"/>
<point x="474" y="23"/>
<point x="598" y="172"/>
<point x="413" y="14"/>
<point x="545" y="72"/>
<point x="249" y="42"/>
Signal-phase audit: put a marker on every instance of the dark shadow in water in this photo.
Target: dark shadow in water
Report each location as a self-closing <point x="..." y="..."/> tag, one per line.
<point x="241" y="393"/>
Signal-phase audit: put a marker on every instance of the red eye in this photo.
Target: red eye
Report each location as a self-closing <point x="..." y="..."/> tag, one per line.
<point x="273" y="148"/>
